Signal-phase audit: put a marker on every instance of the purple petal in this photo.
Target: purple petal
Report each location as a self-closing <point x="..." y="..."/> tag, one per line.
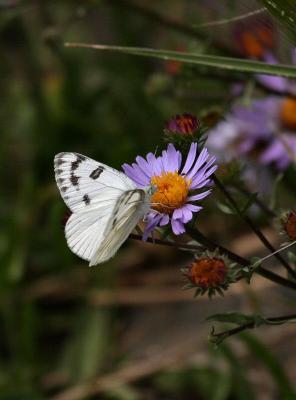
<point x="190" y="158"/>
<point x="199" y="185"/>
<point x="177" y="214"/>
<point x="199" y="196"/>
<point x="193" y="208"/>
<point x="155" y="165"/>
<point x="178" y="227"/>
<point x="280" y="151"/>
<point x="201" y="179"/>
<point x="142" y="177"/>
<point x="200" y="161"/>
<point x="144" y="166"/>
<point x="133" y="174"/>
<point x="165" y="220"/>
<point x="170" y="158"/>
<point x="186" y="214"/>
<point x="278" y="83"/>
<point x="152" y="221"/>
<point x="182" y="214"/>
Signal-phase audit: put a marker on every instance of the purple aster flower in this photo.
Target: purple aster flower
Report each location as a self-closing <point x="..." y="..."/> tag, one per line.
<point x="264" y="132"/>
<point x="176" y="184"/>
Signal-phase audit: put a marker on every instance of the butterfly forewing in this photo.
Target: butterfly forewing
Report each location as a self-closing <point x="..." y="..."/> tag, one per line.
<point x="84" y="183"/>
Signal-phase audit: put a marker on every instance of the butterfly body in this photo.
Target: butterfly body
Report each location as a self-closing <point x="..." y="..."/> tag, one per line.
<point x="106" y="206"/>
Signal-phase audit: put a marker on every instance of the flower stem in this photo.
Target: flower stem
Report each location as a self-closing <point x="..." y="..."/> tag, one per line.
<point x="254" y="228"/>
<point x="198" y="236"/>
<point x="181" y="246"/>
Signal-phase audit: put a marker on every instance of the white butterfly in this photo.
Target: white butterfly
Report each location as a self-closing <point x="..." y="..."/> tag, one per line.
<point x="105" y="203"/>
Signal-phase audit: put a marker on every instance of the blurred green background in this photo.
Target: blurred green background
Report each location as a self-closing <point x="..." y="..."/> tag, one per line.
<point x="125" y="330"/>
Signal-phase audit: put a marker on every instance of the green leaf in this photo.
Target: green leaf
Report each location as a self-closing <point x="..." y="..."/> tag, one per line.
<point x="255" y="263"/>
<point x="87" y="351"/>
<point x="233" y="317"/>
<point x="242" y="387"/>
<point x="226" y="208"/>
<point x="228" y="63"/>
<point x="285" y="13"/>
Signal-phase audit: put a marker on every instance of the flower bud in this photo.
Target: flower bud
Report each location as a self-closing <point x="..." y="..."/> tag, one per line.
<point x="288" y="224"/>
<point x="211" y="272"/>
<point x="185" y="124"/>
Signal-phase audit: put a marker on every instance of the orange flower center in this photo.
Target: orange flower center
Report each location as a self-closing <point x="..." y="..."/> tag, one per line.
<point x="288" y="113"/>
<point x="171" y="192"/>
<point x="207" y="272"/>
<point x="257" y="41"/>
<point x="252" y="45"/>
<point x="290" y="226"/>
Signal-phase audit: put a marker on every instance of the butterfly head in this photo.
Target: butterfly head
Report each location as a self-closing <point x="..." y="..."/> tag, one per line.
<point x="151" y="189"/>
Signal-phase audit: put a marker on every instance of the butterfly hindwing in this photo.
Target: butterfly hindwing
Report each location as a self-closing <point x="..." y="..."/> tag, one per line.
<point x="85" y="230"/>
<point x="129" y="209"/>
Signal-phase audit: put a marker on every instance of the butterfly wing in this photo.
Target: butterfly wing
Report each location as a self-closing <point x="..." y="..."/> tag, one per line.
<point x="129" y="209"/>
<point x="103" y="201"/>
<point x="84" y="183"/>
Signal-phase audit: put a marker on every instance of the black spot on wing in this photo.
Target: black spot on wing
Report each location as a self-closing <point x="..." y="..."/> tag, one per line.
<point x="74" y="179"/>
<point x="75" y="165"/>
<point x="64" y="188"/>
<point x="60" y="181"/>
<point x="59" y="162"/>
<point x="86" y="199"/>
<point x="96" y="172"/>
<point x="79" y="160"/>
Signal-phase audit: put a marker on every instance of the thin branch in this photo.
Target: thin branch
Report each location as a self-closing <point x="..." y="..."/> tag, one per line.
<point x="167" y="243"/>
<point x="254" y="228"/>
<point x="232" y="19"/>
<point x="220" y="336"/>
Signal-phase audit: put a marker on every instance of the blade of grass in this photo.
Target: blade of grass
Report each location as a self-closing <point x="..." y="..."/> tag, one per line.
<point x="228" y="63"/>
<point x="272" y="364"/>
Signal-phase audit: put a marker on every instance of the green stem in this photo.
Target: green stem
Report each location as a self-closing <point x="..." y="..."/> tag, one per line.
<point x="167" y="243"/>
